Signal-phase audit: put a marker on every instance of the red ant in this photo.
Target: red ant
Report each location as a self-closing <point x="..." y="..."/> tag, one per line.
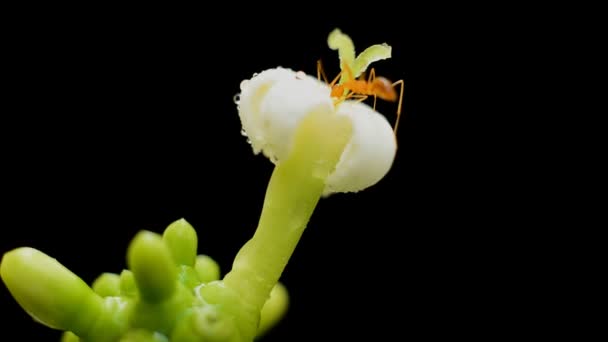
<point x="361" y="89"/>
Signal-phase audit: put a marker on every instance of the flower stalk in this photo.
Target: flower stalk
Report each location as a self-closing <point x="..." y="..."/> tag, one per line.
<point x="295" y="187"/>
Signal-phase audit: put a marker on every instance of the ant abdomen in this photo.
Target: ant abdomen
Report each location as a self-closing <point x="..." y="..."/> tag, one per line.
<point x="384" y="89"/>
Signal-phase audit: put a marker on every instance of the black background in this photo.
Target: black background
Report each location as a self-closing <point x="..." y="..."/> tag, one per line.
<point x="119" y="120"/>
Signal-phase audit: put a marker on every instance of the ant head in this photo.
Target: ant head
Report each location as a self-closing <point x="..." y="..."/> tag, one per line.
<point x="384" y="89"/>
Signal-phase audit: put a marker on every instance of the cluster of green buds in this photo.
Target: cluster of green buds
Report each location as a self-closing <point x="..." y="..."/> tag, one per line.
<point x="169" y="293"/>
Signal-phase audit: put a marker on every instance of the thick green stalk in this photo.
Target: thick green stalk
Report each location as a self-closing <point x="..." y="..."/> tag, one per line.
<point x="294" y="189"/>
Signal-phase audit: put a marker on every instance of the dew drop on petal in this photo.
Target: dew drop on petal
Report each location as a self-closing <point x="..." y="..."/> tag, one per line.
<point x="237" y="98"/>
<point x="243" y="133"/>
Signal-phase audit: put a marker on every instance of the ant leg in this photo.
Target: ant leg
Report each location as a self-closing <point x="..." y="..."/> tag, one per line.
<point x="341" y="99"/>
<point x="370" y="79"/>
<point x="372" y="75"/>
<point x="352" y="96"/>
<point x="345" y="69"/>
<point x="400" y="82"/>
<point x="359" y="97"/>
<point x="333" y="82"/>
<point x="321" y="72"/>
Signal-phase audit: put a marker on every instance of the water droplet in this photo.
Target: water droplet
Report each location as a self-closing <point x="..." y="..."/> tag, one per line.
<point x="249" y="141"/>
<point x="237" y="98"/>
<point x="300" y="75"/>
<point x="254" y="74"/>
<point x="243" y="133"/>
<point x="244" y="84"/>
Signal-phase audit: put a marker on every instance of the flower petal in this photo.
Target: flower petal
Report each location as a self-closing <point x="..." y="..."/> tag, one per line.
<point x="368" y="156"/>
<point x="273" y="103"/>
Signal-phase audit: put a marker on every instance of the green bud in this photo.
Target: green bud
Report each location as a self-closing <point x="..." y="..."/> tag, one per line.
<point x="48" y="291"/>
<point x="141" y="335"/>
<point x="113" y="322"/>
<point x="274" y="309"/>
<point x="69" y="336"/>
<point x="206" y="324"/>
<point x="188" y="276"/>
<point x="207" y="269"/>
<point x="107" y="285"/>
<point x="162" y="316"/>
<point x="127" y="284"/>
<point x="153" y="267"/>
<point x="182" y="241"/>
<point x="227" y="301"/>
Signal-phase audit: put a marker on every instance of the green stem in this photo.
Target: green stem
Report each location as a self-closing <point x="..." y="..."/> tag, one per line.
<point x="295" y="188"/>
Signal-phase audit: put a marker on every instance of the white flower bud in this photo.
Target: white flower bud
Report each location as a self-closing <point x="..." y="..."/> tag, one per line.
<point x="272" y="104"/>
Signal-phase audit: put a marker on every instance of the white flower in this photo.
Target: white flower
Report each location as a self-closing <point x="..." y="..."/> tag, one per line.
<point x="272" y="104"/>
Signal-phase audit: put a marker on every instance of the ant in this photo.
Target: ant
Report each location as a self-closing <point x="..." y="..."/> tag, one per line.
<point x="361" y="89"/>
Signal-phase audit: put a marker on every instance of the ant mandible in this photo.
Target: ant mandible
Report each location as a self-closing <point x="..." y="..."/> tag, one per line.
<point x="361" y="89"/>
